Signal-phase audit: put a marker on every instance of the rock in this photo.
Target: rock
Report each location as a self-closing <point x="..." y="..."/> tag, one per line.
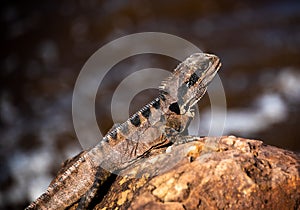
<point x="211" y="173"/>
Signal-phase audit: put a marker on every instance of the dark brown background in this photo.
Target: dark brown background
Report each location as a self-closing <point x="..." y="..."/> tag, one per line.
<point x="44" y="45"/>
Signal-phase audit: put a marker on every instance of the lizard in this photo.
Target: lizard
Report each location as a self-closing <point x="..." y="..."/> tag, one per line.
<point x="160" y="122"/>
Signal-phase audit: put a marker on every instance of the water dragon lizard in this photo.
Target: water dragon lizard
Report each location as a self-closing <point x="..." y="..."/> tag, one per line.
<point x="158" y="123"/>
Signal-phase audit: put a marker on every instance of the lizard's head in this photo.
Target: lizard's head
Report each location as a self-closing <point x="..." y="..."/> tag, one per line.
<point x="185" y="87"/>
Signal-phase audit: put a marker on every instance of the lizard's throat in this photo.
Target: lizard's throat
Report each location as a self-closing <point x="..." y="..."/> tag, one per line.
<point x="193" y="100"/>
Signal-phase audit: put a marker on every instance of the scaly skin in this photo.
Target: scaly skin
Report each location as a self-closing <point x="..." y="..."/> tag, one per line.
<point x="157" y="123"/>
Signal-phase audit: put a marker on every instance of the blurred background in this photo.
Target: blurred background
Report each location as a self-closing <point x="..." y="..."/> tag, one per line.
<point x="44" y="45"/>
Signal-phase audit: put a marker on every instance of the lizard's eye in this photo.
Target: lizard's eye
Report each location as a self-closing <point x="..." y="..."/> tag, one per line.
<point x="204" y="66"/>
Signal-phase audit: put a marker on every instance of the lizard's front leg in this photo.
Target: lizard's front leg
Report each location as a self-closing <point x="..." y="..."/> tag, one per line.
<point x="177" y="132"/>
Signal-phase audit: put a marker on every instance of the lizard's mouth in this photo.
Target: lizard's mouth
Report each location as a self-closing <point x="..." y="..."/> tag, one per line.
<point x="210" y="74"/>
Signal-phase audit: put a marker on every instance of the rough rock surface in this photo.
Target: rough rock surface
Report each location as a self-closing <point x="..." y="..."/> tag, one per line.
<point x="211" y="173"/>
